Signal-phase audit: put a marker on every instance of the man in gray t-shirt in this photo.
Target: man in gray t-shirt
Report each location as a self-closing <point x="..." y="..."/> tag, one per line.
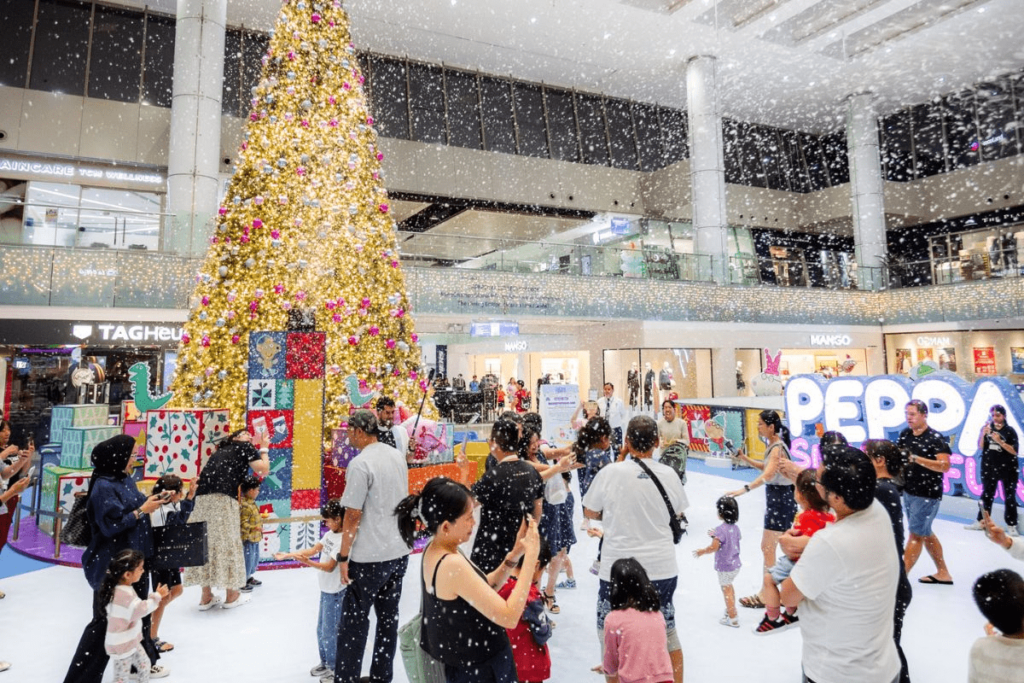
<point x="373" y="557"/>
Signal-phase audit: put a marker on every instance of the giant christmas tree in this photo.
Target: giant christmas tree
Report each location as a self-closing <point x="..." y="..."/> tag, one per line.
<point x="304" y="229"/>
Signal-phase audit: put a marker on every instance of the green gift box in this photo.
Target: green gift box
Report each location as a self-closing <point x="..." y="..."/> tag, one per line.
<point x="65" y="417"/>
<point x="57" y="493"/>
<point x="76" y="449"/>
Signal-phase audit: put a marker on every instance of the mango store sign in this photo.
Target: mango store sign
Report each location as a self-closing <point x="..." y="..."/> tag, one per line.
<point x="862" y="408"/>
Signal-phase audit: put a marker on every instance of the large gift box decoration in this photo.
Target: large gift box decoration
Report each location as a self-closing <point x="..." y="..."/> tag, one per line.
<point x="78" y="442"/>
<point x="180" y="441"/>
<point x="59" y="486"/>
<point x="285" y="399"/>
<point x="64" y="417"/>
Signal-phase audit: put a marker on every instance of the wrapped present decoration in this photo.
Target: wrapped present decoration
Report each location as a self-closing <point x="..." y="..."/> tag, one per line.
<point x="76" y="447"/>
<point x="57" y="494"/>
<point x="64" y="417"/>
<point x="180" y="441"/>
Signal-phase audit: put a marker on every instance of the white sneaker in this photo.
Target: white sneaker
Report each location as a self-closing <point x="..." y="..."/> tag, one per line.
<point x="327" y="677"/>
<point x="976" y="526"/>
<point x="1012" y="532"/>
<point x="237" y="602"/>
<point x="157" y="671"/>
<point x="319" y="670"/>
<point x="726" y="621"/>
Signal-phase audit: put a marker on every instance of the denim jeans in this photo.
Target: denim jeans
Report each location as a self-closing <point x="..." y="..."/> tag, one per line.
<point x="327" y="626"/>
<point x="252" y="558"/>
<point x="377" y="585"/>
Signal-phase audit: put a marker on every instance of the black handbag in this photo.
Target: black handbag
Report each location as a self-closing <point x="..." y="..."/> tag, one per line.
<point x="179" y="545"/>
<point x="673" y="521"/>
<point x="76" y="530"/>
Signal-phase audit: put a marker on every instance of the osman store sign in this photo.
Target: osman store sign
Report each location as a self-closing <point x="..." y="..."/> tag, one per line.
<point x="862" y="408"/>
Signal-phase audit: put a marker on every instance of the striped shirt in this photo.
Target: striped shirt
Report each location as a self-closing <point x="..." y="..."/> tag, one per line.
<point x="996" y="658"/>
<point x="124" y="621"/>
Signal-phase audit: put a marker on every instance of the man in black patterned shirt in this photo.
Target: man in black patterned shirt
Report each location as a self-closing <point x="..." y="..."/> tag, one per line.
<point x="922" y="490"/>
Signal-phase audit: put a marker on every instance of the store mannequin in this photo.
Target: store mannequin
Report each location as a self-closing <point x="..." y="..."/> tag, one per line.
<point x="665" y="377"/>
<point x="741" y="385"/>
<point x="633" y="383"/>
<point x="648" y="386"/>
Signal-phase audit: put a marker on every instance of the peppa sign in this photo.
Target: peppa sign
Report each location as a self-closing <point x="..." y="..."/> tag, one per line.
<point x="862" y="408"/>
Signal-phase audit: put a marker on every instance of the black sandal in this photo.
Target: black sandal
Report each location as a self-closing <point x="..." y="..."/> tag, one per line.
<point x="550" y="605"/>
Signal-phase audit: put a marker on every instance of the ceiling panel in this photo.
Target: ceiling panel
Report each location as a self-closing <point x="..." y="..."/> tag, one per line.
<point x="771" y="66"/>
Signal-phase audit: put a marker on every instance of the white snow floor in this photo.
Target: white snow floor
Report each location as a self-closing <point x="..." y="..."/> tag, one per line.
<point x="273" y="638"/>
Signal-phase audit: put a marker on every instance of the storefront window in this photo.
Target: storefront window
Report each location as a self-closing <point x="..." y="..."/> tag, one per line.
<point x="61" y="215"/>
<point x="51" y="214"/>
<point x="643" y="378"/>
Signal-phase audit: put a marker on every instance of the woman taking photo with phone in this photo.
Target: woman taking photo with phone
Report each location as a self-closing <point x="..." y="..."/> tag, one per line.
<point x="464" y="618"/>
<point x="217" y="505"/>
<point x="13" y="461"/>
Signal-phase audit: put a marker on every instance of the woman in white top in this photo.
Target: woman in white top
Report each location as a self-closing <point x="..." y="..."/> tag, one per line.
<point x="780" y="505"/>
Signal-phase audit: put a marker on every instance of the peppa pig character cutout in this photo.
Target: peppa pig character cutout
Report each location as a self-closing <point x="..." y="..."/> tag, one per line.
<point x="768" y="383"/>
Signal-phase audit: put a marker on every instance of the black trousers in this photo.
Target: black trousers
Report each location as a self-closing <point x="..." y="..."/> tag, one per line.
<point x="904" y="593"/>
<point x="91" y="656"/>
<point x="995" y="469"/>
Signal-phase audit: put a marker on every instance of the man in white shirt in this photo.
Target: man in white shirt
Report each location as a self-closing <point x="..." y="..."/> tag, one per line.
<point x="615" y="412"/>
<point x="373" y="557"/>
<point x="998" y="656"/>
<point x="636" y="524"/>
<point x="845" y="581"/>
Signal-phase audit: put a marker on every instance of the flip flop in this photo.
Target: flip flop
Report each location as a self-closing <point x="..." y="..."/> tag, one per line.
<point x="162" y="646"/>
<point x="932" y="580"/>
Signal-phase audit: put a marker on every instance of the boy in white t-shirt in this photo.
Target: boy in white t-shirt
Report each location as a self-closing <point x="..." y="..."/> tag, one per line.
<point x="332" y="593"/>
<point x="1000" y="656"/>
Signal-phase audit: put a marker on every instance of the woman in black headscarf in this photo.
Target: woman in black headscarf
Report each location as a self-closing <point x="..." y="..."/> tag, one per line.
<point x="118" y="517"/>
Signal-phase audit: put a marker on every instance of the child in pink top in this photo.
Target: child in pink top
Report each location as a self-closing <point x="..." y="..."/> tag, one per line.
<point x="125" y="610"/>
<point x="635" y="640"/>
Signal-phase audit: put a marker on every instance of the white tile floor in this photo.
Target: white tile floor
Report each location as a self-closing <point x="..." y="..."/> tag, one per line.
<point x="273" y="638"/>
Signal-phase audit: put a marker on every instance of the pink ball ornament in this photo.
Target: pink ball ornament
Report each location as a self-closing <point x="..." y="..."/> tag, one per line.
<point x="232" y="296"/>
<point x="330" y="305"/>
<point x="374" y="331"/>
<point x="205" y="341"/>
<point x="257" y="223"/>
<point x="231" y="315"/>
<point x="383" y="208"/>
<point x="423" y="385"/>
<point x="369" y="120"/>
<point x="278" y="288"/>
<point x="301" y="296"/>
<point x="390" y="343"/>
<point x="185" y="339"/>
<point x="287" y="305"/>
<point x="206" y="301"/>
<point x="336" y="317"/>
<point x="380" y="156"/>
<point x="353" y="340"/>
<point x="235" y="339"/>
<point x="365" y="303"/>
<point x="413" y="374"/>
<point x="315" y="18"/>
<point x="223" y="211"/>
<point x="257" y="200"/>
<point x="276" y="234"/>
<point x="415" y="338"/>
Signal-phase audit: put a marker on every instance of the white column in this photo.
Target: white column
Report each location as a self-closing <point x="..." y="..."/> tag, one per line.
<point x="723" y="372"/>
<point x="707" y="166"/>
<point x="194" y="154"/>
<point x="866" y="189"/>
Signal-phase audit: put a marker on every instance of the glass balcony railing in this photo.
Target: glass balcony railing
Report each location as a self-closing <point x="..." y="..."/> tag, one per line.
<point x="57" y="276"/>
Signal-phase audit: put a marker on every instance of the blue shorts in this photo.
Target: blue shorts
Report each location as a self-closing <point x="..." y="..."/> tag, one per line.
<point x="665" y="587"/>
<point x="921" y="512"/>
<point x="781" y="570"/>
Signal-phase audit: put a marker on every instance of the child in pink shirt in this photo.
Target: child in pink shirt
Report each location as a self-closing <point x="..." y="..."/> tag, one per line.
<point x="125" y="610"/>
<point x="635" y="640"/>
